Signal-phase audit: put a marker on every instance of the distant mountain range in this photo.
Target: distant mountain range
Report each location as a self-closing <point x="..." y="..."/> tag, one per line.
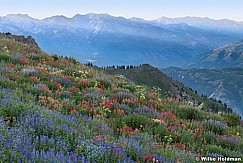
<point x="107" y="40"/>
<point x="223" y="25"/>
<point x="225" y="84"/>
<point x="229" y="56"/>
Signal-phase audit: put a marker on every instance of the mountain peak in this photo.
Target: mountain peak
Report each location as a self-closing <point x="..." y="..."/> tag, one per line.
<point x="58" y="19"/>
<point x="91" y="15"/>
<point x="59" y="16"/>
<point x="19" y="17"/>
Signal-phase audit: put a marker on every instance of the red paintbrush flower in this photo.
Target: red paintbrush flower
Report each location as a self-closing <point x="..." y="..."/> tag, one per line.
<point x="169" y="128"/>
<point x="74" y="111"/>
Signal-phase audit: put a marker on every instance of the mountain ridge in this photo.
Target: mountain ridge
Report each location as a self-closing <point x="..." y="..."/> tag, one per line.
<point x="152" y="77"/>
<point x="207" y="23"/>
<point x="220" y="84"/>
<point x="228" y="56"/>
<point x="138" y="18"/>
<point x="101" y="37"/>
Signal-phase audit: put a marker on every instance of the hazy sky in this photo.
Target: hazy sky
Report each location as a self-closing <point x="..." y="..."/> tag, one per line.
<point x="147" y="9"/>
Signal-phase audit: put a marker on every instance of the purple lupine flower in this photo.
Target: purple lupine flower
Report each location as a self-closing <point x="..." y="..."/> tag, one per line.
<point x="66" y="93"/>
<point x="35" y="56"/>
<point x="145" y="110"/>
<point x="39" y="86"/>
<point x="123" y="106"/>
<point x="215" y="155"/>
<point x="4" y="69"/>
<point x="94" y="94"/>
<point x="30" y="71"/>
<point x="16" y="57"/>
<point x="218" y="123"/>
<point x="123" y="95"/>
<point x="64" y="81"/>
<point x="228" y="139"/>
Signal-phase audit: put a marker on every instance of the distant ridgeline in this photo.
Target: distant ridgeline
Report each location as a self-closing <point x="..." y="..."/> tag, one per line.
<point x="26" y="40"/>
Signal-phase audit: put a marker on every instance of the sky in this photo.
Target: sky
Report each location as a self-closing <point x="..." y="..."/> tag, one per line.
<point x="146" y="9"/>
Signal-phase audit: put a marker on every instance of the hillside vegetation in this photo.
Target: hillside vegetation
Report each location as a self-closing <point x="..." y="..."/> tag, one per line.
<point x="225" y="85"/>
<point x="154" y="78"/>
<point x="54" y="109"/>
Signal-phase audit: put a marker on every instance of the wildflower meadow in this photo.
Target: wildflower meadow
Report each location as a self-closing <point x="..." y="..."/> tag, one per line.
<point x="55" y="109"/>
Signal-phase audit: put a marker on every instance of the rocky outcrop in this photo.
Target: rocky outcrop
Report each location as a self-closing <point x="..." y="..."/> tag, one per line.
<point x="26" y="40"/>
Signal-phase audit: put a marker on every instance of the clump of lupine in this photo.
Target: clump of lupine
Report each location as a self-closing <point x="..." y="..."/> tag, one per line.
<point x="54" y="109"/>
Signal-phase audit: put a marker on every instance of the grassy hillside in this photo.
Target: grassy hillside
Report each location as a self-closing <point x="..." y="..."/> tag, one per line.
<point x="152" y="77"/>
<point x="55" y="109"/>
